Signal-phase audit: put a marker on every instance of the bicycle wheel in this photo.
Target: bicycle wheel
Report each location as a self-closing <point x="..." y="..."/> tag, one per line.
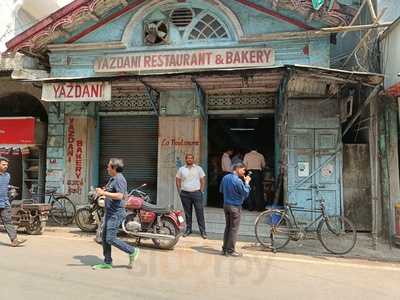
<point x="337" y="234"/>
<point x="62" y="210"/>
<point x="272" y="229"/>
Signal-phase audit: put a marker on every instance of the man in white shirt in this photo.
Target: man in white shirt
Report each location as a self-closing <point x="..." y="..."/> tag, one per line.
<point x="190" y="183"/>
<point x="226" y="162"/>
<point x="255" y="163"/>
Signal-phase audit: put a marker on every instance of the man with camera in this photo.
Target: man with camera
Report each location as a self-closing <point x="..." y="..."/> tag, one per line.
<point x="235" y="191"/>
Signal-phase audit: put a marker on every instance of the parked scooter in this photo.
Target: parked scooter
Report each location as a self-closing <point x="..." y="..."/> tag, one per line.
<point x="27" y="214"/>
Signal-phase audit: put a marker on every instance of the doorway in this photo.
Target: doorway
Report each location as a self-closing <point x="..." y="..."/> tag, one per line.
<point x="241" y="133"/>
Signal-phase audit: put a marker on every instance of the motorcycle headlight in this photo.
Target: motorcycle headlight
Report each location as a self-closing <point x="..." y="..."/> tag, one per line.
<point x="101" y="201"/>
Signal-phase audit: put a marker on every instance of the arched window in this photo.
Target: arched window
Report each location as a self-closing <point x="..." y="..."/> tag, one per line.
<point x="208" y="27"/>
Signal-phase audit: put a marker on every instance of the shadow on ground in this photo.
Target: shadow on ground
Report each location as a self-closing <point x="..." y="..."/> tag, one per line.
<point x="206" y="250"/>
<point x="89" y="261"/>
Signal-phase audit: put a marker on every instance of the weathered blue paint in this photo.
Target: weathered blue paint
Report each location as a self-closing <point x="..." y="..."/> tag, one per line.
<point x="113" y="31"/>
<point x="80" y="64"/>
<point x="314" y="136"/>
<point x="55" y="147"/>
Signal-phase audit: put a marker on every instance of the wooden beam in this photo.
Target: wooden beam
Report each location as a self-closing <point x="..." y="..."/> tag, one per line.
<point x="274" y="14"/>
<point x="372" y="11"/>
<point x="364" y="38"/>
<point x="239" y="89"/>
<point x="356" y="16"/>
<point x="309" y="33"/>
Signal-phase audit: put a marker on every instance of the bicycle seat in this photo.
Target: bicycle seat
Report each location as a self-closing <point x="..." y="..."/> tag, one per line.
<point x="51" y="191"/>
<point x="155" y="208"/>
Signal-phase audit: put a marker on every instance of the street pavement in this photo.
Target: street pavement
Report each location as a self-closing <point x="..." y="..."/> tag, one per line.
<point x="57" y="265"/>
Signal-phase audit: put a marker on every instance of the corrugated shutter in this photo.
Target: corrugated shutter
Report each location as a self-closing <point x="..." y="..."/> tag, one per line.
<point x="135" y="140"/>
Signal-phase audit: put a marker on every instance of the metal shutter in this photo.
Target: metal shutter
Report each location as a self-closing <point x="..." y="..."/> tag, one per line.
<point x="135" y="140"/>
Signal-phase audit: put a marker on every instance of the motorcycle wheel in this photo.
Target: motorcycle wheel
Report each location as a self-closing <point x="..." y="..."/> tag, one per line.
<point x="36" y="228"/>
<point x="167" y="227"/>
<point x="85" y="220"/>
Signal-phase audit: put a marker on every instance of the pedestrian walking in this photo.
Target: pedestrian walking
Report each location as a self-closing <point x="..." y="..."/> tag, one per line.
<point x="5" y="206"/>
<point x="235" y="191"/>
<point x="114" y="192"/>
<point x="190" y="183"/>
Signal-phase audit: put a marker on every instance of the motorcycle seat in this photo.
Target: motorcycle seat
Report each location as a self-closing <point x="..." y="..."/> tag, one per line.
<point x="155" y="208"/>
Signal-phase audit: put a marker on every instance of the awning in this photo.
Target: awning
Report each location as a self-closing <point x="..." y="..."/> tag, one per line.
<point x="254" y="80"/>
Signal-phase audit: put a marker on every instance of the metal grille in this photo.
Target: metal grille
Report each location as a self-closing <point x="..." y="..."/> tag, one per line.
<point x="135" y="140"/>
<point x="244" y="101"/>
<point x="127" y="103"/>
<point x="208" y="27"/>
<point x="181" y="17"/>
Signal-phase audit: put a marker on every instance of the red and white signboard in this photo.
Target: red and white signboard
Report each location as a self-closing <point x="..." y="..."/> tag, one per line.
<point x="17" y="131"/>
<point x="76" y="156"/>
<point x="186" y="60"/>
<point x="77" y="91"/>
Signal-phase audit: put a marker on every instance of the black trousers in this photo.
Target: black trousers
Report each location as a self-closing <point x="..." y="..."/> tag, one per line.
<point x="255" y="201"/>
<point x="232" y="219"/>
<point x="5" y="216"/>
<point x="190" y="199"/>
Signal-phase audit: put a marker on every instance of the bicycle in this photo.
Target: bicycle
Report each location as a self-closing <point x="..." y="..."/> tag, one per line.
<point x="274" y="228"/>
<point x="62" y="210"/>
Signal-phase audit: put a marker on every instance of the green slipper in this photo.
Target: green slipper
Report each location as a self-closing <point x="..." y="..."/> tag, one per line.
<point x="133" y="257"/>
<point x="103" y="266"/>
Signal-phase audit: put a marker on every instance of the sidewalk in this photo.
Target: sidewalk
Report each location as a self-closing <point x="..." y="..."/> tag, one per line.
<point x="363" y="249"/>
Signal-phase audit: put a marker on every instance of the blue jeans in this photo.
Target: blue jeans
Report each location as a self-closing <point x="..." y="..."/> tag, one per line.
<point x="110" y="230"/>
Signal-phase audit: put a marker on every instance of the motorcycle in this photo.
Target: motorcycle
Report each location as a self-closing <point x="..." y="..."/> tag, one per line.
<point x="162" y="225"/>
<point x="143" y="220"/>
<point x="27" y="214"/>
<point x="88" y="218"/>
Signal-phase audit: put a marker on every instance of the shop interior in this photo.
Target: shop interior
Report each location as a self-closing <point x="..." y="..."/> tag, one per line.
<point x="26" y="162"/>
<point x="241" y="133"/>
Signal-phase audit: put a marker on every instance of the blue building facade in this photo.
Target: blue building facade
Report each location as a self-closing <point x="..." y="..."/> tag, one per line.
<point x="150" y="81"/>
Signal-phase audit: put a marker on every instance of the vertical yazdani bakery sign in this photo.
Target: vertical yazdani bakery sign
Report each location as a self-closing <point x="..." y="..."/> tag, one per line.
<point x="186" y="60"/>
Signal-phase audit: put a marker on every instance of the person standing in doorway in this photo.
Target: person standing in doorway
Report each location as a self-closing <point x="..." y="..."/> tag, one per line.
<point x="190" y="183"/>
<point x="237" y="158"/>
<point x="255" y="163"/>
<point x="235" y="190"/>
<point x="114" y="191"/>
<point x="226" y="162"/>
<point x="5" y="207"/>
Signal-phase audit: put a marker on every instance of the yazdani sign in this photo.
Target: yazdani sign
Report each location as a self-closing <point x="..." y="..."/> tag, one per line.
<point x="186" y="60"/>
<point x="76" y="91"/>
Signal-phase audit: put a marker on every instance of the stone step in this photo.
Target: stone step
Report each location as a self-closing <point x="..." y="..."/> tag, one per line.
<point x="215" y="221"/>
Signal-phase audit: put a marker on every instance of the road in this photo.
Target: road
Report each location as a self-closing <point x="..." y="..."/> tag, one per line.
<point x="57" y="264"/>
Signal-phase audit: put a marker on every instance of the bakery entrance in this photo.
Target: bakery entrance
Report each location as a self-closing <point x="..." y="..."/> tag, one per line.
<point x="238" y="135"/>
